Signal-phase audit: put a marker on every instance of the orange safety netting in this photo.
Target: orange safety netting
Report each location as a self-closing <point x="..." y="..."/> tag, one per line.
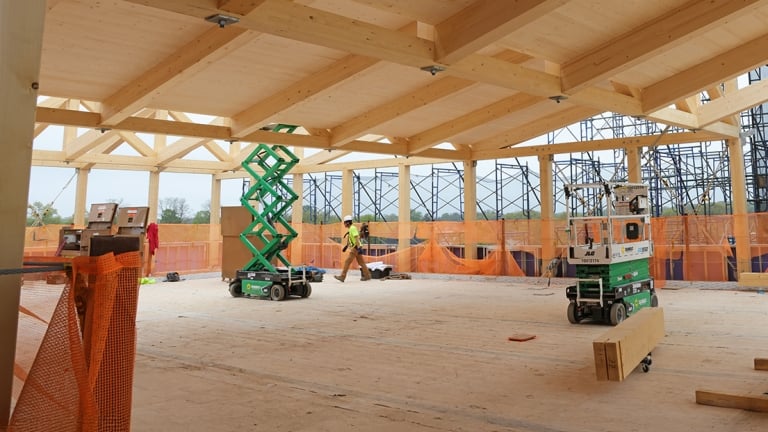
<point x="686" y="247"/>
<point x="438" y="259"/>
<point x="431" y="247"/>
<point x="81" y="377"/>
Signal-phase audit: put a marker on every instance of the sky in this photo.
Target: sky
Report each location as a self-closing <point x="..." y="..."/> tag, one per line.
<point x="129" y="188"/>
<point x="57" y="186"/>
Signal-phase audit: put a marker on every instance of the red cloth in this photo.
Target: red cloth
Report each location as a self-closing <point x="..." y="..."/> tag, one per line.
<point x="152" y="237"/>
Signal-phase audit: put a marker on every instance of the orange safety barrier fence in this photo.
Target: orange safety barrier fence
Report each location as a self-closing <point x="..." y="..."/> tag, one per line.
<point x="74" y="364"/>
<point x="685" y="247"/>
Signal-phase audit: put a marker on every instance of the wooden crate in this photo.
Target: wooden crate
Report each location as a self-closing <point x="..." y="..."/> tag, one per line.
<point x="234" y="220"/>
<point x="619" y="350"/>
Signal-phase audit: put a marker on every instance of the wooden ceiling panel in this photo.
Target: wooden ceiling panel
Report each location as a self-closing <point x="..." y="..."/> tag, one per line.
<point x="370" y="13"/>
<point x="365" y="91"/>
<point x="499" y="126"/>
<point x="581" y="25"/>
<point x="426" y="11"/>
<point x="696" y="51"/>
<point x="451" y="109"/>
<point x="92" y="48"/>
<point x="252" y="73"/>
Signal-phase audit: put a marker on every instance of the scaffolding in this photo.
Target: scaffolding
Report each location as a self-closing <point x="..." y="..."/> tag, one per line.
<point x="689" y="179"/>
<point x="683" y="179"/>
<point x="376" y="195"/>
<point x="322" y="198"/>
<point x="756" y="122"/>
<point x="420" y="193"/>
<point x="512" y="187"/>
<point x="445" y="181"/>
<point x="584" y="169"/>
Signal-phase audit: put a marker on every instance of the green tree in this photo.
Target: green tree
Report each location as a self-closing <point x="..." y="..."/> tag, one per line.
<point x="203" y="216"/>
<point x="521" y="215"/>
<point x="450" y="217"/>
<point x="39" y="214"/>
<point x="416" y="216"/>
<point x="173" y="210"/>
<point x="717" y="208"/>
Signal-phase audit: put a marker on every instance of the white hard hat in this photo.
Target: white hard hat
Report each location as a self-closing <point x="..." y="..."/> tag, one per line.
<point x="348" y="218"/>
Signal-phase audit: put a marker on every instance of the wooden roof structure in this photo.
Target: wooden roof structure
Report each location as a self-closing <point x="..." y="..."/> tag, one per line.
<point x="389" y="77"/>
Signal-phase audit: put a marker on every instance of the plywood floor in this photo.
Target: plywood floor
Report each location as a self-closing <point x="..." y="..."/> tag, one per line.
<point x="432" y="355"/>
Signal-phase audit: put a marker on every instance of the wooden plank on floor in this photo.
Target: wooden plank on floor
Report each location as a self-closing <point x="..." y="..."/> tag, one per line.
<point x="761" y="364"/>
<point x="728" y="400"/>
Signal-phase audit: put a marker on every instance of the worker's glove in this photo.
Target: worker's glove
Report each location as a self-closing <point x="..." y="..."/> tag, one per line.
<point x="344" y="249"/>
<point x="360" y="250"/>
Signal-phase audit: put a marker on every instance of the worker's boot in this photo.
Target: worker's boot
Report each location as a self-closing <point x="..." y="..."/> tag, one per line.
<point x="365" y="278"/>
<point x="339" y="278"/>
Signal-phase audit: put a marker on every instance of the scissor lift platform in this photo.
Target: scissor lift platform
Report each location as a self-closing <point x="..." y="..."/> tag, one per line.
<point x="268" y="200"/>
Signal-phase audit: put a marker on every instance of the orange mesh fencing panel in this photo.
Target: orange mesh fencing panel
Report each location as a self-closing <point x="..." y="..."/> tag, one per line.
<point x="439" y="259"/>
<point x="758" y="238"/>
<point x="692" y="248"/>
<point x="685" y="247"/>
<point x="446" y="250"/>
<point x="661" y="252"/>
<point x="55" y="395"/>
<point x="758" y="228"/>
<point x="81" y="378"/>
<point x="112" y="383"/>
<point x="322" y="245"/>
<point x="181" y="257"/>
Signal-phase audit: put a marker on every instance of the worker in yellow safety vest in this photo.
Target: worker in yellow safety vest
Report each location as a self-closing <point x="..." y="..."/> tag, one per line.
<point x="355" y="251"/>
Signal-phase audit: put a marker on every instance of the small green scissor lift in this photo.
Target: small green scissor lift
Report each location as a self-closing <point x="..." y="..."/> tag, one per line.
<point x="609" y="237"/>
<point x="260" y="278"/>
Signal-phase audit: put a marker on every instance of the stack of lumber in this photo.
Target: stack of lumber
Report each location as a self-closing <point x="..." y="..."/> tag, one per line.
<point x="619" y="350"/>
<point x="753" y="280"/>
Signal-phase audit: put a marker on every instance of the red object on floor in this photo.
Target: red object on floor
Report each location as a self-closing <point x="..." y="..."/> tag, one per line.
<point x="518" y="337"/>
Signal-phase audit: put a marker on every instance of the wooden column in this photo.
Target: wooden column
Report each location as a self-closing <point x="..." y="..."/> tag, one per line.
<point x="81" y="195"/>
<point x="214" y="224"/>
<point x="470" y="209"/>
<point x="548" y="246"/>
<point x="215" y="218"/>
<point x="347" y="192"/>
<point x="81" y="192"/>
<point x="740" y="219"/>
<point x="21" y="33"/>
<point x="404" y="218"/>
<point x="297" y="221"/>
<point x="153" y="200"/>
<point x="634" y="171"/>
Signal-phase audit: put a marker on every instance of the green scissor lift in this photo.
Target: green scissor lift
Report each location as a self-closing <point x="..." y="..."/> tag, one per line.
<point x="609" y="232"/>
<point x="268" y="199"/>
